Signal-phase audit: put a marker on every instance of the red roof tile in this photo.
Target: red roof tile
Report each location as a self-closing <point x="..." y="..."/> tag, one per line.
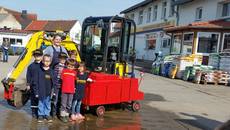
<point x="15" y="31"/>
<point x="215" y="24"/>
<point x="51" y="25"/>
<point x="36" y="25"/>
<point x="64" y="25"/>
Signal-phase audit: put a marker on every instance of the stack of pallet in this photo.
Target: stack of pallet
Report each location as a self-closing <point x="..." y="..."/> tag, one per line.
<point x="215" y="77"/>
<point x="223" y="77"/>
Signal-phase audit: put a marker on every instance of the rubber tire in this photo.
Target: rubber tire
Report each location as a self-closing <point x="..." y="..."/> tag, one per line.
<point x="136" y="106"/>
<point x="100" y="111"/>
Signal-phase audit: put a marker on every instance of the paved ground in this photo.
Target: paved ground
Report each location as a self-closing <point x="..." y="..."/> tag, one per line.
<point x="168" y="105"/>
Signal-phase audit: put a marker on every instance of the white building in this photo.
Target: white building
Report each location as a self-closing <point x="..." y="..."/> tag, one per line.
<point x="12" y="19"/>
<point x="18" y="38"/>
<point x="204" y="27"/>
<point x="71" y="27"/>
<point x="151" y="16"/>
<point x="202" y="10"/>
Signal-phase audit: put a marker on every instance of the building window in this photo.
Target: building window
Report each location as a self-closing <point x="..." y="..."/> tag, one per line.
<point x="199" y="12"/>
<point x="207" y="42"/>
<point x="226" y="45"/>
<point x="226" y="9"/>
<point x="166" y="43"/>
<point x="155" y="12"/>
<point x="19" y="41"/>
<point x="172" y="8"/>
<point x="132" y="16"/>
<point x="150" y="41"/>
<point x="164" y="9"/>
<point x="176" y="46"/>
<point x="187" y="43"/>
<point x="140" y="20"/>
<point x="149" y="14"/>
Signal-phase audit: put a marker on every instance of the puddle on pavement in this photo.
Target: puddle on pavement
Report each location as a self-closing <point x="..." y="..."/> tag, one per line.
<point x="148" y="118"/>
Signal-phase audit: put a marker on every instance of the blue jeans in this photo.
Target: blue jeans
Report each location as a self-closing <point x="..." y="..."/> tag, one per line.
<point x="76" y="107"/>
<point x="5" y="55"/>
<point x="44" y="107"/>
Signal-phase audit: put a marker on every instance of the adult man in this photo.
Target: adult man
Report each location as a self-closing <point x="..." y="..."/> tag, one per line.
<point x="5" y="49"/>
<point x="55" y="49"/>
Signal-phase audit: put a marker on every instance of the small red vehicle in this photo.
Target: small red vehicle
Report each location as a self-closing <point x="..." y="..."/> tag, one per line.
<point x="107" y="48"/>
<point x="111" y="89"/>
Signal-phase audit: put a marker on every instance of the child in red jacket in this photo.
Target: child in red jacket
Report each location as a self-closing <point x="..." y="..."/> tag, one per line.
<point x="68" y="77"/>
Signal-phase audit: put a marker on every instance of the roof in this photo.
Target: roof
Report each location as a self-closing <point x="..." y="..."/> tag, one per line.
<point x="36" y="25"/>
<point x="23" y="20"/>
<point x="51" y="25"/>
<point x="64" y="25"/>
<point x="215" y="24"/>
<point x="15" y="31"/>
<point x="181" y="2"/>
<point x="143" y="3"/>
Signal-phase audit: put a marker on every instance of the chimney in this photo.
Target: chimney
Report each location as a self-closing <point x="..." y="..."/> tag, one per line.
<point x="24" y="13"/>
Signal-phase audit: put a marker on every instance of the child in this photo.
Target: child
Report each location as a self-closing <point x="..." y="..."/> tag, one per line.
<point x="58" y="70"/>
<point x="68" y="77"/>
<point x="44" y="82"/>
<point x="73" y="55"/>
<point x="82" y="77"/>
<point x="29" y="78"/>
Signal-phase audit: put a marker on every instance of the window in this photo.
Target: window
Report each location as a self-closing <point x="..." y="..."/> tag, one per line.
<point x="199" y="13"/>
<point x="172" y="8"/>
<point x="164" y="9"/>
<point x="166" y="42"/>
<point x="19" y="41"/>
<point x="226" y="10"/>
<point x="226" y="45"/>
<point x="149" y="14"/>
<point x="155" y="12"/>
<point x="12" y="41"/>
<point x="187" y="43"/>
<point x="207" y="42"/>
<point x="150" y="41"/>
<point x="140" y="20"/>
<point x="176" y="46"/>
<point x="132" y="16"/>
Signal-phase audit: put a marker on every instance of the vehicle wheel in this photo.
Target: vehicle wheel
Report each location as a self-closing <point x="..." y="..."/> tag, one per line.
<point x="136" y="106"/>
<point x="100" y="111"/>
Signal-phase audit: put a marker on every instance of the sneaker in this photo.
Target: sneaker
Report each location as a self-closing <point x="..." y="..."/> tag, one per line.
<point x="63" y="119"/>
<point x="73" y="117"/>
<point x="80" y="116"/>
<point x="49" y="119"/>
<point x="40" y="119"/>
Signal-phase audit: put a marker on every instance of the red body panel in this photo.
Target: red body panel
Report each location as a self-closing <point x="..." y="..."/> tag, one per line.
<point x="111" y="89"/>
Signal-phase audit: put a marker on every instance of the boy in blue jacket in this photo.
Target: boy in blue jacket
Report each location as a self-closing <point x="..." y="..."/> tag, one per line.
<point x="32" y="68"/>
<point x="44" y="82"/>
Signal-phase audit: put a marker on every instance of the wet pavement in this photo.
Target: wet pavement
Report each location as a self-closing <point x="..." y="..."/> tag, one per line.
<point x="168" y="105"/>
<point x="147" y="118"/>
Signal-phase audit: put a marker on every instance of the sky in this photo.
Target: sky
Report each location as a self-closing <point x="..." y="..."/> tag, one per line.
<point x="69" y="9"/>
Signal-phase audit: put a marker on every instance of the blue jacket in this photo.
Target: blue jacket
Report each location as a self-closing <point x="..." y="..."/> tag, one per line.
<point x="44" y="83"/>
<point x="31" y="70"/>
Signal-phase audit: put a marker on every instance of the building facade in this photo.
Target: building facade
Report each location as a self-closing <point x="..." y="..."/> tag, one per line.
<point x="151" y="17"/>
<point x="71" y="27"/>
<point x="205" y="31"/>
<point x="17" y="38"/>
<point x="11" y="19"/>
<point x="202" y="10"/>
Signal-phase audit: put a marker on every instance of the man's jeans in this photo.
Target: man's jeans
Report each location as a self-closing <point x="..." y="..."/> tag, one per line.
<point x="76" y="107"/>
<point x="44" y="107"/>
<point x="5" y="55"/>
